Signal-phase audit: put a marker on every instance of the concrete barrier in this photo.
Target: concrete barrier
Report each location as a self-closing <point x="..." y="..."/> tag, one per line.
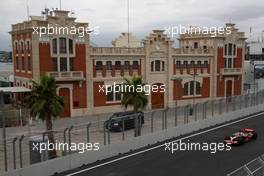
<point x="76" y="160"/>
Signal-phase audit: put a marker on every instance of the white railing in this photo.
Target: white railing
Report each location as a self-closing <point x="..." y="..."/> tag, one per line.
<point x="231" y="71"/>
<point x="67" y="76"/>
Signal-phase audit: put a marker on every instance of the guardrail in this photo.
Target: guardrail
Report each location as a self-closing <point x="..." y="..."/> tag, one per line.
<point x="159" y="125"/>
<point x="252" y="168"/>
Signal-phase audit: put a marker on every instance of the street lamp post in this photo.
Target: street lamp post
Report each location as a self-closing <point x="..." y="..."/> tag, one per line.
<point x="193" y="94"/>
<point x="4" y="129"/>
<point x="176" y="79"/>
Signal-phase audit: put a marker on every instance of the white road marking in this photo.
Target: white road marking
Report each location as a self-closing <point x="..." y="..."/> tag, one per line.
<point x="161" y="145"/>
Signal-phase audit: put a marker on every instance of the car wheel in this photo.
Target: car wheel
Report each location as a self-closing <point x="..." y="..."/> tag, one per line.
<point x="255" y="136"/>
<point x="241" y="141"/>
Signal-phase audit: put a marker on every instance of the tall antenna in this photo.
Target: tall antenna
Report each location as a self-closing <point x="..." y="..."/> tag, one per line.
<point x="60" y="4"/>
<point x="128" y="42"/>
<point x="27" y="11"/>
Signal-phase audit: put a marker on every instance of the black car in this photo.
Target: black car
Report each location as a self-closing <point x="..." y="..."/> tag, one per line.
<point x="115" y="122"/>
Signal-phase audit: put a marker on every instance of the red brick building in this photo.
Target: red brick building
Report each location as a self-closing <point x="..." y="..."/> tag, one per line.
<point x="203" y="67"/>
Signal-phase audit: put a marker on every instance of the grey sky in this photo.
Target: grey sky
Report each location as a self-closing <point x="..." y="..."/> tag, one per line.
<point x="146" y="15"/>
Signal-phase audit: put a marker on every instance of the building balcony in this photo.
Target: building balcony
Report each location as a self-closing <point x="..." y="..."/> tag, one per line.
<point x="117" y="51"/>
<point x="230" y="71"/>
<point x="67" y="76"/>
<point x="192" y="52"/>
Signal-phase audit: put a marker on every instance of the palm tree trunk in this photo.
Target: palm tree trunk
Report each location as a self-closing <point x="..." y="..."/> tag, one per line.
<point x="49" y="127"/>
<point x="137" y="124"/>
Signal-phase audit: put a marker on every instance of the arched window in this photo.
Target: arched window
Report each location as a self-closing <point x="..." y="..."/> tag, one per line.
<point x="99" y="65"/>
<point x="127" y="65"/>
<point x="192" y="64"/>
<point x="117" y="65"/>
<point x="185" y="64"/>
<point x="22" y="47"/>
<point x="28" y="46"/>
<point x="109" y="65"/>
<point x="178" y="64"/>
<point x="16" y="47"/>
<point x="199" y="64"/>
<point x="135" y="65"/>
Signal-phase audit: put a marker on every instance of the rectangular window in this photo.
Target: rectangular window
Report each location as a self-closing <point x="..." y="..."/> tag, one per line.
<point x="135" y="65"/>
<point x="29" y="63"/>
<point x="54" y="46"/>
<point x="229" y="63"/>
<point x="127" y="65"/>
<point x="118" y="96"/>
<point x="191" y="88"/>
<point x="157" y="65"/>
<point x="234" y="50"/>
<point x="23" y="63"/>
<point x="195" y="44"/>
<point x="70" y="46"/>
<point x="163" y="66"/>
<point x="63" y="64"/>
<point x="71" y="64"/>
<point x="152" y="66"/>
<point x="198" y="88"/>
<point x="110" y="95"/>
<point x="225" y="50"/>
<point x="226" y="61"/>
<point x="63" y="45"/>
<point x="186" y="89"/>
<point x="55" y="64"/>
<point x="262" y="50"/>
<point x="230" y="49"/>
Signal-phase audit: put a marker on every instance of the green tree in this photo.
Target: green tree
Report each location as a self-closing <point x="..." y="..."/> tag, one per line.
<point x="44" y="102"/>
<point x="136" y="98"/>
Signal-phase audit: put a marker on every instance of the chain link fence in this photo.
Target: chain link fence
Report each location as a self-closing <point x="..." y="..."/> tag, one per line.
<point x="17" y="151"/>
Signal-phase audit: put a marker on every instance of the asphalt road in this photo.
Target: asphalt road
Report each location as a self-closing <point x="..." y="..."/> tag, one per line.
<point x="159" y="162"/>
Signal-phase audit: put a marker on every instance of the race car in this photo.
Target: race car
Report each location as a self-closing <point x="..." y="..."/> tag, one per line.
<point x="239" y="138"/>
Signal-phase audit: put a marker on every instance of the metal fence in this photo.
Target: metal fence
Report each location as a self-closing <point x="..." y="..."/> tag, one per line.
<point x="17" y="151"/>
<point x="253" y="168"/>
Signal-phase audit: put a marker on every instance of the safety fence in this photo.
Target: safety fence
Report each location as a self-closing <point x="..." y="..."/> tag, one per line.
<point x="18" y="151"/>
<point x="252" y="168"/>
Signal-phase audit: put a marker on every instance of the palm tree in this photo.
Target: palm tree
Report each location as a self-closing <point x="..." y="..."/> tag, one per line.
<point x="137" y="99"/>
<point x="44" y="102"/>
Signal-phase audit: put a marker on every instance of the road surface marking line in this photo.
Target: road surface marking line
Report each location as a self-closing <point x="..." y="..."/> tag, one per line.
<point x="158" y="146"/>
